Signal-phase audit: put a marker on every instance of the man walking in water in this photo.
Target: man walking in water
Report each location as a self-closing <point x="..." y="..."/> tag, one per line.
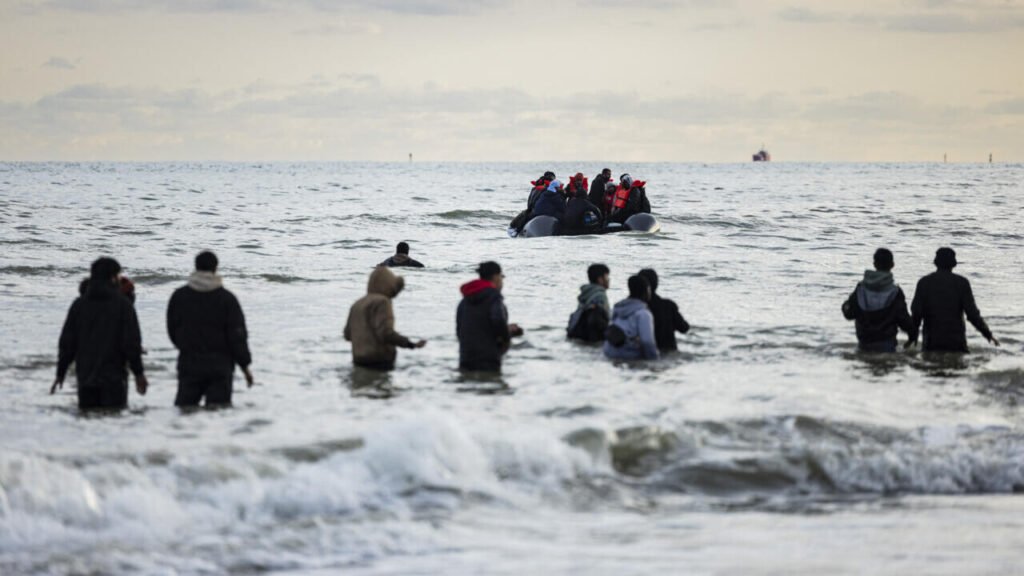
<point x="101" y="334"/>
<point x="206" y="325"/>
<point x="941" y="301"/>
<point x="481" y="321"/>
<point x="401" y="258"/>
<point x="878" y="307"/>
<point x="371" y="323"/>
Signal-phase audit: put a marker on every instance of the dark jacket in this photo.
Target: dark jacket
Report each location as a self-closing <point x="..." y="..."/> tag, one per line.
<point x="100" y="335"/>
<point x="667" y="321"/>
<point x="550" y="203"/>
<point x="206" y="324"/>
<point x="481" y="324"/>
<point x="401" y="260"/>
<point x="878" y="307"/>
<point x="941" y="300"/>
<point x="596" y="195"/>
<point x="637" y="204"/>
<point x="590" y="319"/>
<point x="581" y="216"/>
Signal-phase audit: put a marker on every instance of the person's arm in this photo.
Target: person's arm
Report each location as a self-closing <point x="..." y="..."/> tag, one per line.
<point x="347" y="332"/>
<point x="415" y="263"/>
<point x="647" y="342"/>
<point x="238" y="335"/>
<point x="679" y="324"/>
<point x="916" y="314"/>
<point x="67" y="346"/>
<point x="131" y="347"/>
<point x="499" y="323"/>
<point x="173" y="317"/>
<point x="903" y="319"/>
<point x="850" y="308"/>
<point x="973" y="314"/>
<point x="382" y="318"/>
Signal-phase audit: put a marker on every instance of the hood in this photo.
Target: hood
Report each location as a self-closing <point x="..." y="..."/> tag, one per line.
<point x="628" y="307"/>
<point x="201" y="281"/>
<point x="590" y="293"/>
<point x="554" y="186"/>
<point x="474" y="287"/>
<point x="384" y="282"/>
<point x="877" y="291"/>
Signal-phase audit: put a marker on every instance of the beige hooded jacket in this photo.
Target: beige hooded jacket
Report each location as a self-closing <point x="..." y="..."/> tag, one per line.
<point x="371" y="321"/>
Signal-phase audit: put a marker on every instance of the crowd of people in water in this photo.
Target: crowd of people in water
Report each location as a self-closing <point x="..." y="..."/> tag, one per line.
<point x="583" y="207"/>
<point x="102" y="338"/>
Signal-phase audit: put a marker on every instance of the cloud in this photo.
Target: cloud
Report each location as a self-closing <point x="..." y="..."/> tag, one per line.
<point x="932" y="17"/>
<point x="341" y="28"/>
<point x="1013" y="106"/>
<point x="415" y="7"/>
<point x="59" y="63"/>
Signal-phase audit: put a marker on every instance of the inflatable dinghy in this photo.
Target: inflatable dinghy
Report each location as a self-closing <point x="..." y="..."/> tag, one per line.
<point x="540" y="226"/>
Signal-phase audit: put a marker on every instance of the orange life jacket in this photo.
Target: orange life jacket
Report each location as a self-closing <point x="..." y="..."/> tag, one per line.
<point x="620" y="198"/>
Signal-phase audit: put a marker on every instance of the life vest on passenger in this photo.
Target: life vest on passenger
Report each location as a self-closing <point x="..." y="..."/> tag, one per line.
<point x="578" y="186"/>
<point x="541" y="184"/>
<point x="621" y="196"/>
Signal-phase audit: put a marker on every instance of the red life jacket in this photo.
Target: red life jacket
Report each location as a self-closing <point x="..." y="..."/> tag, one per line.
<point x="621" y="196"/>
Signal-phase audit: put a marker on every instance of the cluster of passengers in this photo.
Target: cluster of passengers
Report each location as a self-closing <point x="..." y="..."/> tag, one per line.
<point x="102" y="337"/>
<point x="582" y="207"/>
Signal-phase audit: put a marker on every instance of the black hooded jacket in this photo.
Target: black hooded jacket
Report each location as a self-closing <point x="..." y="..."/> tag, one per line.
<point x="879" y="309"/>
<point x="667" y="321"/>
<point x="208" y="327"/>
<point x="941" y="301"/>
<point x="575" y="211"/>
<point x="481" y="324"/>
<point x="596" y="195"/>
<point x="101" y="334"/>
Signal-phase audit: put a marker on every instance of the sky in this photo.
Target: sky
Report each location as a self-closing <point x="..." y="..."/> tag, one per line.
<point x="515" y="80"/>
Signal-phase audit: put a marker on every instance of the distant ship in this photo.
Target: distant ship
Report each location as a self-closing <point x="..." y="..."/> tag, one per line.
<point x="762" y="156"/>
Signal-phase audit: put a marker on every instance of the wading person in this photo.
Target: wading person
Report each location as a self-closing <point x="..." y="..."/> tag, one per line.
<point x="667" y="319"/>
<point x="371" y="323"/>
<point x="401" y="258"/>
<point x="206" y="325"/>
<point x="101" y="336"/>
<point x="878" y="307"/>
<point x="590" y="319"/>
<point x="630" y="335"/>
<point x="941" y="301"/>
<point x="481" y="321"/>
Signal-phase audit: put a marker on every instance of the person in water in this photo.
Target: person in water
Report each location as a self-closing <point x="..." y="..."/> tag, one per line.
<point x="630" y="335"/>
<point x="879" y="308"/>
<point x="206" y="324"/>
<point x="630" y="198"/>
<point x="597" y="190"/>
<point x="401" y="258"/>
<point x="941" y="301"/>
<point x="667" y="319"/>
<point x="590" y="319"/>
<point x="125" y="286"/>
<point x="371" y="323"/>
<point x="101" y="336"/>
<point x="551" y="202"/>
<point x="481" y="321"/>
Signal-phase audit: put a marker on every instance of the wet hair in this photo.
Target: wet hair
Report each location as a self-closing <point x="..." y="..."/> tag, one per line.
<point x="549" y="175"/>
<point x="402" y="248"/>
<point x="596" y="271"/>
<point x="945" y="258"/>
<point x="883" y="260"/>
<point x="206" y="261"/>
<point x="607" y="171"/>
<point x="102" y="271"/>
<point x="652" y="278"/>
<point x="639" y="288"/>
<point x="488" y="270"/>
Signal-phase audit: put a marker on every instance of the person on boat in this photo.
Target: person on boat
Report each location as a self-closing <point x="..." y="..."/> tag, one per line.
<point x="538" y="187"/>
<point x="206" y="324"/>
<point x="590" y="319"/>
<point x="101" y="335"/>
<point x="551" y="202"/>
<point x="371" y="323"/>
<point x="581" y="217"/>
<point x="630" y="336"/>
<point x="481" y="321"/>
<point x="941" y="301"/>
<point x="630" y="198"/>
<point x="667" y="319"/>
<point x="401" y="258"/>
<point x="577" y="186"/>
<point x="597" y="190"/>
<point x="879" y="308"/>
<point x="609" y="197"/>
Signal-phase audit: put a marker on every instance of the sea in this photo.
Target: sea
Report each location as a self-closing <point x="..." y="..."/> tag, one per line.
<point x="766" y="445"/>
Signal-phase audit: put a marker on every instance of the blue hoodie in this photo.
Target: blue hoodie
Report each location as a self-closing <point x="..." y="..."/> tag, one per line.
<point x="637" y="322"/>
<point x="551" y="202"/>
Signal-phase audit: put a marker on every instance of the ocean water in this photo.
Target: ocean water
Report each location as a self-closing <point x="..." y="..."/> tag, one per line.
<point x="766" y="445"/>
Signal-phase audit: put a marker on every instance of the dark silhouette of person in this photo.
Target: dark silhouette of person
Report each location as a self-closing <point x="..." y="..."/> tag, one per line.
<point x="206" y="324"/>
<point x="590" y="319"/>
<point x="401" y="258"/>
<point x="941" y="301"/>
<point x="597" y="188"/>
<point x="667" y="319"/>
<point x="101" y="336"/>
<point x="481" y="321"/>
<point x="879" y="308"/>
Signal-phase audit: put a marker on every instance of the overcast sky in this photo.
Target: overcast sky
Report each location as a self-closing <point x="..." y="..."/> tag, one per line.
<point x="641" y="80"/>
